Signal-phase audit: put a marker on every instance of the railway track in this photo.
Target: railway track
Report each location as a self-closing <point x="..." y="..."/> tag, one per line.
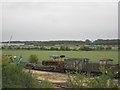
<point x="58" y="80"/>
<point x="46" y="70"/>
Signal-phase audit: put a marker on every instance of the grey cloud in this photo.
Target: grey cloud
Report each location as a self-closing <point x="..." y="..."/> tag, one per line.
<point x="47" y="21"/>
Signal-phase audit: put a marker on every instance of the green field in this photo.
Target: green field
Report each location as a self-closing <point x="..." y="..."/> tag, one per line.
<point x="94" y="56"/>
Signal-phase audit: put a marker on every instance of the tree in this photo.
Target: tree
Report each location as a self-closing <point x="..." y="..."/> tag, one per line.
<point x="119" y="48"/>
<point x="100" y="48"/>
<point x="43" y="48"/>
<point x="33" y="59"/>
<point x="87" y="41"/>
<point x="108" y="48"/>
<point x="85" y="48"/>
<point x="53" y="48"/>
<point x="67" y="48"/>
<point x="62" y="48"/>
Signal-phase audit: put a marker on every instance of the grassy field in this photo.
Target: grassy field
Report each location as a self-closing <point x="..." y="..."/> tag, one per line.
<point x="94" y="56"/>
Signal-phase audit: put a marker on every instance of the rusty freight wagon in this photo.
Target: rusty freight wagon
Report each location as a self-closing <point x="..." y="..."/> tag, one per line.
<point x="76" y="64"/>
<point x="84" y="66"/>
<point x="81" y="65"/>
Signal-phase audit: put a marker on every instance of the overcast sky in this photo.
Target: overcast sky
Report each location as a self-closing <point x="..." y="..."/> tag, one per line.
<point x="59" y="20"/>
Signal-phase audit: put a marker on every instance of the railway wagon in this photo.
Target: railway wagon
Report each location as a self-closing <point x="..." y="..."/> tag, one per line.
<point x="53" y="65"/>
<point x="76" y="64"/>
<point x="83" y="65"/>
<point x="93" y="68"/>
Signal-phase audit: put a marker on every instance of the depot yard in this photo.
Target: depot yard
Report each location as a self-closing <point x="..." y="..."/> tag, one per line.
<point x="94" y="56"/>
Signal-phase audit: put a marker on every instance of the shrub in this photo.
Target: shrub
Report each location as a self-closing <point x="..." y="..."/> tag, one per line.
<point x="119" y="48"/>
<point x="100" y="48"/>
<point x="104" y="81"/>
<point x="108" y="48"/>
<point x="85" y="48"/>
<point x="53" y="48"/>
<point x="43" y="48"/>
<point x="81" y="81"/>
<point x="33" y="59"/>
<point x="13" y="76"/>
<point x="76" y="80"/>
<point x="65" y="48"/>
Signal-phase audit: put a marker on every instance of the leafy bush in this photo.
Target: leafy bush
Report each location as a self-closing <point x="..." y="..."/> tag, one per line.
<point x="100" y="48"/>
<point x="53" y="48"/>
<point x="119" y="48"/>
<point x="108" y="48"/>
<point x="43" y="48"/>
<point x="63" y="48"/>
<point x="33" y="59"/>
<point x="103" y="81"/>
<point x="13" y="76"/>
<point x="76" y="80"/>
<point x="81" y="81"/>
<point x="85" y="48"/>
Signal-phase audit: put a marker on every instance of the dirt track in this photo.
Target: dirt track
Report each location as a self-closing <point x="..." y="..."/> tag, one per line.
<point x="58" y="79"/>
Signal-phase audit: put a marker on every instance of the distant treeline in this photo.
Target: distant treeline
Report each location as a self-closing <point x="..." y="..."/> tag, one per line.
<point x="67" y="42"/>
<point x="61" y="48"/>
